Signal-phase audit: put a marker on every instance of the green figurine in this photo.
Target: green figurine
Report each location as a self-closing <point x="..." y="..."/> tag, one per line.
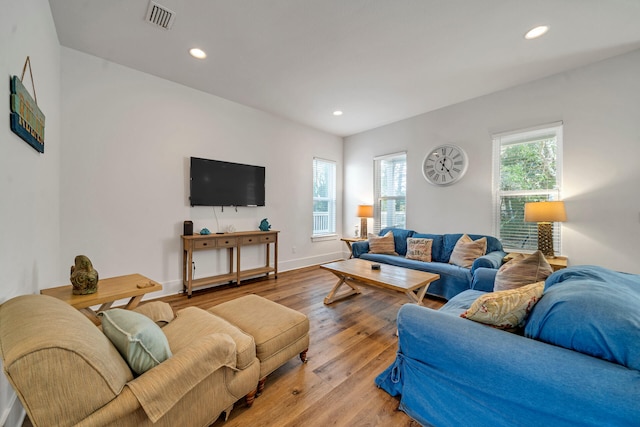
<point x="264" y="225"/>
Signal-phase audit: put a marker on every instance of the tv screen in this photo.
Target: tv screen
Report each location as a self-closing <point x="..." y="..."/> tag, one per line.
<point x="217" y="183"/>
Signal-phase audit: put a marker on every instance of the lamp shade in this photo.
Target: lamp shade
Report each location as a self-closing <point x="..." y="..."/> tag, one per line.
<point x="545" y="212"/>
<point x="365" y="211"/>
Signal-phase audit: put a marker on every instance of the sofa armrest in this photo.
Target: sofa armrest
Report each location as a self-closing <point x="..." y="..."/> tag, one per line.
<point x="161" y="387"/>
<point x="484" y="279"/>
<point x="359" y="248"/>
<point x="491" y="260"/>
<point x="464" y="368"/>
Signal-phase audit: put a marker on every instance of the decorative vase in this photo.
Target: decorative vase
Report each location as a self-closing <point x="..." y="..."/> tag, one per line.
<point x="84" y="278"/>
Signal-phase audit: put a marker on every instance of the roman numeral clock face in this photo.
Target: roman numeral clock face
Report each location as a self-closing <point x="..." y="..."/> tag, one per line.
<point x="444" y="165"/>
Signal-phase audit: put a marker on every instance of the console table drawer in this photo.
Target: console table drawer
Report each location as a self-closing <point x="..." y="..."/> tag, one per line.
<point x="268" y="239"/>
<point x="253" y="240"/>
<point x="204" y="243"/>
<point x="227" y="243"/>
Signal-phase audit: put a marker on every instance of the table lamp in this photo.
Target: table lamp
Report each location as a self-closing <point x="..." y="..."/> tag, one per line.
<point x="364" y="212"/>
<point x="545" y="214"/>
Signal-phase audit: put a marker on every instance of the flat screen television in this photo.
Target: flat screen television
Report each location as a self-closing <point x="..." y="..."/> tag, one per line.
<point x="217" y="183"/>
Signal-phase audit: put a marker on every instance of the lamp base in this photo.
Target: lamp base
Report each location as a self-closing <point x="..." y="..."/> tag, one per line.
<point x="363" y="228"/>
<point x="545" y="239"/>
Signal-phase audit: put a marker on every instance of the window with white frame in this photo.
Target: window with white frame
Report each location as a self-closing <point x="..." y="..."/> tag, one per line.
<point x="324" y="197"/>
<point x="527" y="167"/>
<point x="390" y="190"/>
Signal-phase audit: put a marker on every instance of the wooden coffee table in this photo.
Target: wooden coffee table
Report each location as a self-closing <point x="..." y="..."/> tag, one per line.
<point x="412" y="283"/>
<point x="133" y="286"/>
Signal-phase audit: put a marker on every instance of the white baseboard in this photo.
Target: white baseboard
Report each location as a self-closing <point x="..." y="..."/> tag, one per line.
<point x="175" y="286"/>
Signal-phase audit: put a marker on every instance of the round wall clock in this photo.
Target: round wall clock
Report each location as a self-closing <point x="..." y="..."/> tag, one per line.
<point x="444" y="165"/>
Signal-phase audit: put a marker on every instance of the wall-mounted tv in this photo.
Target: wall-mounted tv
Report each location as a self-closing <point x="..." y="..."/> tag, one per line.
<point x="217" y="183"/>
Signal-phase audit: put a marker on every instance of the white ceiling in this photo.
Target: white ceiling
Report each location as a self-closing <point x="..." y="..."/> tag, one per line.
<point x="379" y="61"/>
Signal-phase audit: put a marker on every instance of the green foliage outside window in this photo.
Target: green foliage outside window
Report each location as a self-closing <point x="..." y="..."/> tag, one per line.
<point x="528" y="173"/>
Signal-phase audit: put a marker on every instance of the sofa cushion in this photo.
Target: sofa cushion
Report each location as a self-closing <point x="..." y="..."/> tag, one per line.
<point x="505" y="309"/>
<point x="382" y="244"/>
<point x="138" y="339"/>
<point x="450" y="240"/>
<point x="400" y="236"/>
<point x="522" y="271"/>
<point x="461" y="302"/>
<point x="419" y="249"/>
<point x="467" y="250"/>
<point x="592" y="310"/>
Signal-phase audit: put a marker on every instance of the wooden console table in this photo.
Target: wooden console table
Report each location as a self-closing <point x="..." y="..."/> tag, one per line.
<point x="228" y="242"/>
<point x="110" y="290"/>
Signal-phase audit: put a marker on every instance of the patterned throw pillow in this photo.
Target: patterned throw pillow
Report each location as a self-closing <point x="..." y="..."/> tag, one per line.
<point x="382" y="244"/>
<point x="467" y="250"/>
<point x="519" y="272"/>
<point x="419" y="249"/>
<point x="505" y="309"/>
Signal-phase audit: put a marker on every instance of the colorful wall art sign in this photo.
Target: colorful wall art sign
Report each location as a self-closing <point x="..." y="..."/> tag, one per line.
<point x="27" y="121"/>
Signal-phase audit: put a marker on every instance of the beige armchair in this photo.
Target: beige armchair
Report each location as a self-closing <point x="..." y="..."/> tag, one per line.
<point x="66" y="371"/>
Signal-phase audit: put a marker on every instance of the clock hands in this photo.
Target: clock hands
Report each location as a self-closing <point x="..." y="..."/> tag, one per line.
<point x="444" y="167"/>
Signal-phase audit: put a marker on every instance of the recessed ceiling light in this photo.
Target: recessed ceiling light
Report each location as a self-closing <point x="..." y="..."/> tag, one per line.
<point x="197" y="53"/>
<point x="337" y="113"/>
<point x="536" y="32"/>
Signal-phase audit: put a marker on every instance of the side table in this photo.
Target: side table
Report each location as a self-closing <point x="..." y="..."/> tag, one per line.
<point x="133" y="286"/>
<point x="556" y="263"/>
<point x="349" y="240"/>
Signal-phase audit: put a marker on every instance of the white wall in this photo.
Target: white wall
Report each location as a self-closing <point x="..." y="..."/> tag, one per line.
<point x="128" y="137"/>
<point x="601" y="113"/>
<point x="29" y="181"/>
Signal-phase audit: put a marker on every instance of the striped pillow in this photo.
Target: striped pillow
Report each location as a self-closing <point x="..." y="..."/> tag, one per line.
<point x="467" y="250"/>
<point x="519" y="272"/>
<point x="382" y="244"/>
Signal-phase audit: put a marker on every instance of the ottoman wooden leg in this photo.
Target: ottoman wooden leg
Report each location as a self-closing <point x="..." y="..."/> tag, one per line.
<point x="303" y="355"/>
<point x="261" y="385"/>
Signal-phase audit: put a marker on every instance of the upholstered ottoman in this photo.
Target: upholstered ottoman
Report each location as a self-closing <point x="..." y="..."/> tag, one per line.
<point x="280" y="333"/>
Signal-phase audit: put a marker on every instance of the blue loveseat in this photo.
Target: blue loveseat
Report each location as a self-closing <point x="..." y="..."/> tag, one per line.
<point x="576" y="363"/>
<point x="453" y="279"/>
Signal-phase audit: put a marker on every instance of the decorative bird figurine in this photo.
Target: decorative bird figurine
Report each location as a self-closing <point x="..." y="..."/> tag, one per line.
<point x="84" y="277"/>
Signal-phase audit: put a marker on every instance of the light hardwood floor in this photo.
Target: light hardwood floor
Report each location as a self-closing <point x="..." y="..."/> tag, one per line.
<point x="352" y="341"/>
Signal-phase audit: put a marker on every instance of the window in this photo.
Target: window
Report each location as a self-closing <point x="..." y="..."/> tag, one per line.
<point x="390" y="189"/>
<point x="527" y="168"/>
<point x="324" y="197"/>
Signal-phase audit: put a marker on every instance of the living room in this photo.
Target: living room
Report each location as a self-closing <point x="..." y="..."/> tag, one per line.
<point x="112" y="182"/>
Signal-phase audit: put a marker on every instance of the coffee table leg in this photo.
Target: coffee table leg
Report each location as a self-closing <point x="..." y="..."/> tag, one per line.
<point x="332" y="297"/>
<point x="417" y="298"/>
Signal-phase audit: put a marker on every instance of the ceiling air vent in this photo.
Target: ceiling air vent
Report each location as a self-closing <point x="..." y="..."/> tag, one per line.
<point x="160" y="16"/>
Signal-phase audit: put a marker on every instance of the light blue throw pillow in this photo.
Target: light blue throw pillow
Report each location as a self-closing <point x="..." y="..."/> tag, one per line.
<point x="138" y="339"/>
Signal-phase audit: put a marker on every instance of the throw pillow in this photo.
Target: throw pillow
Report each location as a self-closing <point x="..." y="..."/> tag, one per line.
<point x="419" y="249"/>
<point x="467" y="250"/>
<point x="158" y="311"/>
<point x="138" y="339"/>
<point x="505" y="309"/>
<point x="382" y="244"/>
<point x="519" y="272"/>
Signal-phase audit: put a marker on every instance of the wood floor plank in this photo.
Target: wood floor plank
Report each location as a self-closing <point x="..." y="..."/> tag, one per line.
<point x="351" y="342"/>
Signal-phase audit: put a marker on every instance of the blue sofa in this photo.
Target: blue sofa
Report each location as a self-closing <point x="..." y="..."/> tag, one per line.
<point x="576" y="363"/>
<point x="453" y="279"/>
